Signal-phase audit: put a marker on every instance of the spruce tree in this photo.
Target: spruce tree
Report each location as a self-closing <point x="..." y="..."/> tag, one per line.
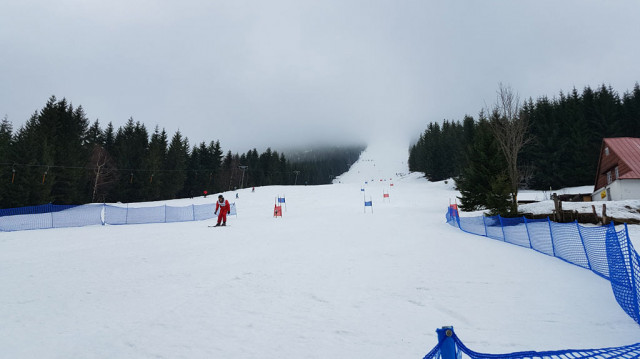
<point x="177" y="157"/>
<point x="213" y="166"/>
<point x="95" y="135"/>
<point x="25" y="149"/>
<point x="155" y="165"/>
<point x="483" y="183"/>
<point x="226" y="174"/>
<point x="6" y="169"/>
<point x="130" y="148"/>
<point x="195" y="171"/>
<point x="253" y="172"/>
<point x="109" y="135"/>
<point x="630" y="112"/>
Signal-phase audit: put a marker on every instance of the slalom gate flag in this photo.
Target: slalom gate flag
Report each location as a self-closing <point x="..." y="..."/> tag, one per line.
<point x="453" y="210"/>
<point x="277" y="211"/>
<point x="361" y="189"/>
<point x="385" y="195"/>
<point x="368" y="203"/>
<point x="233" y="211"/>
<point x="281" y="200"/>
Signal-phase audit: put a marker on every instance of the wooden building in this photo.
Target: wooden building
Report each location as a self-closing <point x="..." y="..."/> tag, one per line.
<point x="618" y="174"/>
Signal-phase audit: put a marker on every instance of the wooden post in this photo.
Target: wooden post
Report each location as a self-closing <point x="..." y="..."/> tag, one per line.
<point x="605" y="220"/>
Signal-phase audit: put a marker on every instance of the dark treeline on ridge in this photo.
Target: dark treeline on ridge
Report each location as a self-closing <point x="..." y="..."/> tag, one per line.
<point x="59" y="157"/>
<point x="565" y="135"/>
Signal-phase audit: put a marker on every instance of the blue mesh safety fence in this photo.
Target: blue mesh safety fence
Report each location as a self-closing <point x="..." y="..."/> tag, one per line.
<point x="601" y="249"/>
<point x="205" y="211"/>
<point x="78" y="216"/>
<point x="540" y="236"/>
<point x="493" y="228"/>
<point x="146" y="215"/>
<point x="115" y="215"/>
<point x="451" y="347"/>
<point x="596" y="253"/>
<point x="44" y="208"/>
<point x="624" y="272"/>
<point x="62" y="216"/>
<point x="515" y="231"/>
<point x="37" y="217"/>
<point x="179" y="214"/>
<point x="567" y="244"/>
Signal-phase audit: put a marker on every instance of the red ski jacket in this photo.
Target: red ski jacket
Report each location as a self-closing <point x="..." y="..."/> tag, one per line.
<point x="224" y="209"/>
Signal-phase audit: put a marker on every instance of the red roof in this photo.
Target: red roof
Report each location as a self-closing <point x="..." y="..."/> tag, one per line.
<point x="628" y="151"/>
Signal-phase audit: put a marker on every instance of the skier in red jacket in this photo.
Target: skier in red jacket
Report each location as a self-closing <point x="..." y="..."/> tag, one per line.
<point x="224" y="207"/>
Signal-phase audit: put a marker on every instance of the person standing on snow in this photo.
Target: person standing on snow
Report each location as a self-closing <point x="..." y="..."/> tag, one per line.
<point x="223" y="206"/>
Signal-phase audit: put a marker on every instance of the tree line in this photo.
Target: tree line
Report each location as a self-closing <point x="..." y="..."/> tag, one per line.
<point x="560" y="149"/>
<point x="59" y="157"/>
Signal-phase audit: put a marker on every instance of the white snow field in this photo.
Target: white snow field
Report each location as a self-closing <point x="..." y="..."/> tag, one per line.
<point x="327" y="280"/>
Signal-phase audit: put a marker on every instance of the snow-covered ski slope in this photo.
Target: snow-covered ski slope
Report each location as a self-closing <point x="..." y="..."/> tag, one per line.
<point x="327" y="280"/>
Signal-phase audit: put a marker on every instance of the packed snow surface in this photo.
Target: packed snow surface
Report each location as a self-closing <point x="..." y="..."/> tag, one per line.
<point x="330" y="279"/>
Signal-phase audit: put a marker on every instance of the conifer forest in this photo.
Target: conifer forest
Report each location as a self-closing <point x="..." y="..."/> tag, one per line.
<point x="564" y="136"/>
<point x="58" y="156"/>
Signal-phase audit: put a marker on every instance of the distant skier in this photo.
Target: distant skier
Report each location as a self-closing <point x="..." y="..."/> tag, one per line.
<point x="223" y="206"/>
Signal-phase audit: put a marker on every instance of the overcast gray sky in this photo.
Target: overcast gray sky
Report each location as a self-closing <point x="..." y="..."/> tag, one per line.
<point x="290" y="72"/>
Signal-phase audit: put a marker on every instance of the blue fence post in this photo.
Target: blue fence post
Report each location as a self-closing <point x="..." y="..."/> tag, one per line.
<point x="527" y="227"/>
<point x="553" y="246"/>
<point x="504" y="238"/>
<point x="583" y="246"/>
<point x="447" y="344"/>
<point x="484" y="221"/>
<point x="636" y="310"/>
